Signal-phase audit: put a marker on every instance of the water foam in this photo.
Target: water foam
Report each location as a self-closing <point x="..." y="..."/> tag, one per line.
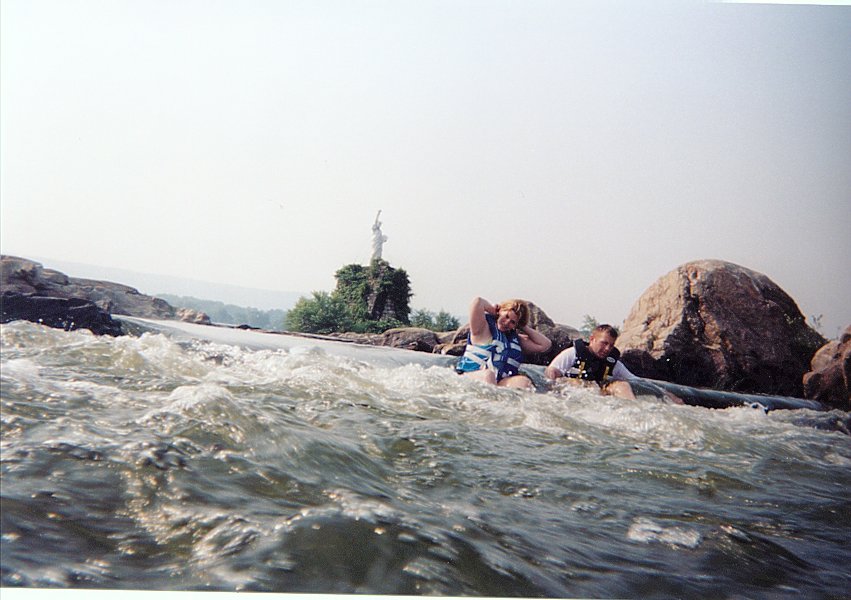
<point x="645" y="530"/>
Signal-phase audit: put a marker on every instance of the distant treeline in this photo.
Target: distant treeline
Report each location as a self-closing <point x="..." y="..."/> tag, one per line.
<point x="230" y="314"/>
<point x="276" y="319"/>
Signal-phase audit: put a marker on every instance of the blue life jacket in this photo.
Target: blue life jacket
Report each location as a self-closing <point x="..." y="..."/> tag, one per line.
<point x="591" y="367"/>
<point x="504" y="354"/>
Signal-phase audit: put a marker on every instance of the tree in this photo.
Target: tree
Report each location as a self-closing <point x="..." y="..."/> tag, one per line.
<point x="446" y="322"/>
<point x="589" y="324"/>
<point x="353" y="290"/>
<point x="426" y="319"/>
<point x="324" y="313"/>
<point x="422" y="318"/>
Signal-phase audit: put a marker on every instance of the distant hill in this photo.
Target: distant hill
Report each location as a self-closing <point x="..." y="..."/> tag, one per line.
<point x="230" y="314"/>
<point x="161" y="285"/>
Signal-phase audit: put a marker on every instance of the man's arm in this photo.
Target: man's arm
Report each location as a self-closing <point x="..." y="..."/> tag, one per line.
<point x="621" y="373"/>
<point x="561" y="363"/>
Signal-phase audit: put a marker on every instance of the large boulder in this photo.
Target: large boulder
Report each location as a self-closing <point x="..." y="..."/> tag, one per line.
<point x="61" y="313"/>
<point x="715" y="324"/>
<point x="29" y="277"/>
<point x="829" y="380"/>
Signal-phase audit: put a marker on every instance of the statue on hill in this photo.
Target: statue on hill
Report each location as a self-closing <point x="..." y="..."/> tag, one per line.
<point x="378" y="238"/>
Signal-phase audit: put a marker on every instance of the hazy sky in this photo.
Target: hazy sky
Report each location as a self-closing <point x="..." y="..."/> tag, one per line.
<point x="565" y="152"/>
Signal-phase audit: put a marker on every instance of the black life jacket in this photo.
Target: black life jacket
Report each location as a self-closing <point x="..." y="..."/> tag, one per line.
<point x="591" y="367"/>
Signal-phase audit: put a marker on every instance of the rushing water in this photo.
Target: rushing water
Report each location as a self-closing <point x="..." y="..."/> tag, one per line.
<point x="159" y="462"/>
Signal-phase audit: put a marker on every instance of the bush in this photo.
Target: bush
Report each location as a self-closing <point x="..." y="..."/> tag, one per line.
<point x="422" y="318"/>
<point x="426" y="319"/>
<point x="324" y="313"/>
<point x="446" y="322"/>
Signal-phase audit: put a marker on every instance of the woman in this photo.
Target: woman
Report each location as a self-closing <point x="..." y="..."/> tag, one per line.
<point x="499" y="335"/>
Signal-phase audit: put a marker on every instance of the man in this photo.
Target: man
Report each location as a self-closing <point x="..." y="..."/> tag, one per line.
<point x="595" y="361"/>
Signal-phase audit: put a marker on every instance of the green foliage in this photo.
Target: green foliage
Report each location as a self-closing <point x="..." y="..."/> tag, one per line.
<point x="399" y="293"/>
<point x="353" y="289"/>
<point x="230" y="314"/>
<point x="446" y="322"/>
<point x="373" y="291"/>
<point x="422" y="318"/>
<point x="426" y="319"/>
<point x="367" y="299"/>
<point x="324" y="313"/>
<point x="589" y="323"/>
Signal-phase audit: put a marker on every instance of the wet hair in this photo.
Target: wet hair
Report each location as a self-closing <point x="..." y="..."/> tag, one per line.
<point x="521" y="307"/>
<point x="607" y="329"/>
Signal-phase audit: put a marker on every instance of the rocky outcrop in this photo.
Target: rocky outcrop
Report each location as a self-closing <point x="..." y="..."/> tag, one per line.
<point x="190" y="315"/>
<point x="408" y="338"/>
<point x="62" y="313"/>
<point x="453" y="342"/>
<point x="411" y="338"/>
<point x="829" y="380"/>
<point x="719" y="325"/>
<point x="377" y="292"/>
<point x="28" y="277"/>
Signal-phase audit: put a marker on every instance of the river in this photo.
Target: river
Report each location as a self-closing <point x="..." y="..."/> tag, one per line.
<point x="255" y="462"/>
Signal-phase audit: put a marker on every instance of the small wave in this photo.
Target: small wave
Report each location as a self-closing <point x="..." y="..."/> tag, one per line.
<point x="646" y="530"/>
<point x="20" y="369"/>
<point x="642" y="421"/>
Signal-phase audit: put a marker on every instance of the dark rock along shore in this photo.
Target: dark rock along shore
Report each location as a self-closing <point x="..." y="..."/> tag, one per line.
<point x="706" y="324"/>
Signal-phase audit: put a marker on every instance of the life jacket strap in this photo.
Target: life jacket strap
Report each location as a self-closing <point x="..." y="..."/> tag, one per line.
<point x="481" y="356"/>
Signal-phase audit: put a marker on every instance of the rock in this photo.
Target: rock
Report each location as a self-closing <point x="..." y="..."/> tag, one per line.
<point x="829" y="379"/>
<point x="715" y="324"/>
<point x="29" y="277"/>
<point x="367" y="339"/>
<point x="452" y="343"/>
<point x="380" y="290"/>
<point x="62" y="313"/>
<point x="411" y="338"/>
<point x="537" y="317"/>
<point x="446" y="337"/>
<point x="190" y="315"/>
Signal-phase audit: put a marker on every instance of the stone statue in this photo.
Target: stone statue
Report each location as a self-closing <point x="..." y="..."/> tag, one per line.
<point x="377" y="238"/>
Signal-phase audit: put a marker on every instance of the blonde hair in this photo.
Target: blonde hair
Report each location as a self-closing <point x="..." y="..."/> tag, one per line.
<point x="521" y="307"/>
